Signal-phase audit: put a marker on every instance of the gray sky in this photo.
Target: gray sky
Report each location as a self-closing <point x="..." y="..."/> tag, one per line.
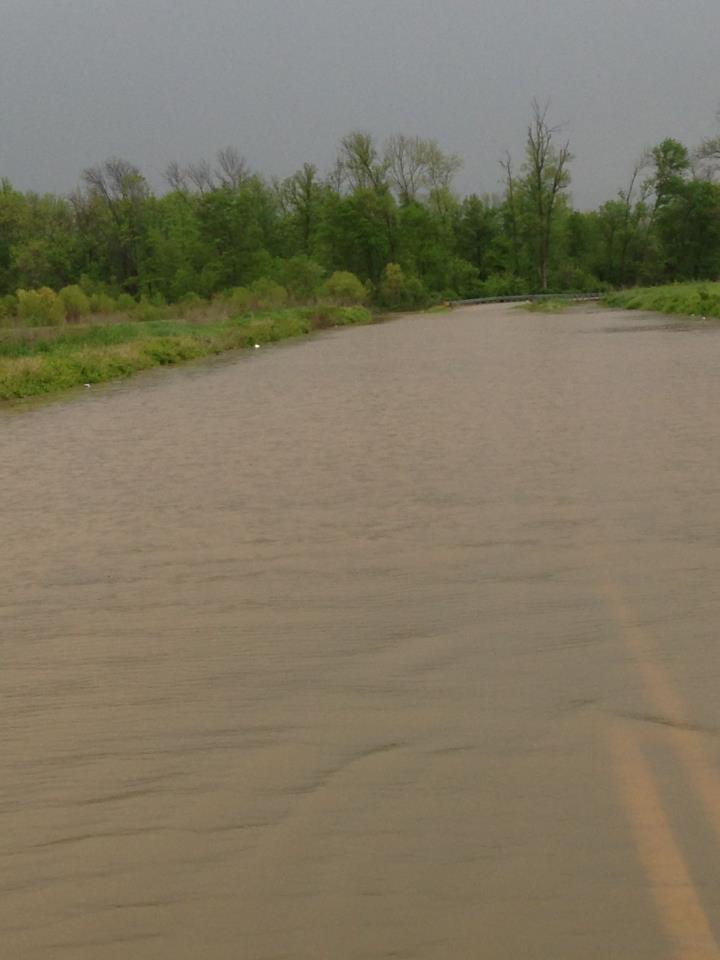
<point x="157" y="80"/>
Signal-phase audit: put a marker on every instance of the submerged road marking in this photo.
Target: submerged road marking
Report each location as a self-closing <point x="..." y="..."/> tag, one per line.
<point x="688" y="743"/>
<point x="676" y="898"/>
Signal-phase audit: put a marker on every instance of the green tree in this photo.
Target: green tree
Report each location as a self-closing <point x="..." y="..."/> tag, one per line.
<point x="479" y="235"/>
<point x="672" y="164"/>
<point x="301" y="198"/>
<point x="688" y="224"/>
<point x="121" y="191"/>
<point x="240" y="230"/>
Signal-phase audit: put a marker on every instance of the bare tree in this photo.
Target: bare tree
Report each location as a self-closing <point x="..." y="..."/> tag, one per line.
<point x="511" y="210"/>
<point x="635" y="193"/>
<point x="232" y="170"/>
<point x="201" y="176"/>
<point x="406" y="166"/>
<point x="176" y="177"/>
<point x="336" y="179"/>
<point x="116" y="180"/>
<point x="547" y="176"/>
<point x="705" y="158"/>
<point x="122" y="189"/>
<point x="362" y="165"/>
<point x="440" y="167"/>
<point x="417" y="167"/>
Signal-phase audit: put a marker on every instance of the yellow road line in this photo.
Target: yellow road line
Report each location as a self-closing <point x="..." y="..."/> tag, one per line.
<point x="688" y="743"/>
<point x="677" y="900"/>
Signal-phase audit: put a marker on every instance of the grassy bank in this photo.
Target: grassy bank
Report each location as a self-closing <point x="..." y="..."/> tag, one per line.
<point x="36" y="361"/>
<point x="686" y="299"/>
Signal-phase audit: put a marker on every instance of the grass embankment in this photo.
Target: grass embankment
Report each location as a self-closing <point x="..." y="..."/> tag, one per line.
<point x="36" y="361"/>
<point x="687" y="299"/>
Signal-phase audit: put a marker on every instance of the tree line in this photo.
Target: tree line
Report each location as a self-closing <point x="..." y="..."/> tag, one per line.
<point x="389" y="214"/>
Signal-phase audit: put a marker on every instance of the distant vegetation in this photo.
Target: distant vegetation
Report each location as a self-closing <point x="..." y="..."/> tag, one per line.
<point x="384" y="226"/>
<point x="115" y="278"/>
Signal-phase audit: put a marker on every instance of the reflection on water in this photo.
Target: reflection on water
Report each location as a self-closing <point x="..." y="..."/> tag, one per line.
<point x="309" y="654"/>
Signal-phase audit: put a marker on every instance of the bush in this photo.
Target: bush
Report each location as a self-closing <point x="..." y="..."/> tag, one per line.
<point x="301" y="276"/>
<point x="41" y="308"/>
<point x="210" y="278"/>
<point x="191" y="299"/>
<point x="241" y="299"/>
<point x="8" y="307"/>
<point x="268" y="295"/>
<point x="145" y="311"/>
<point x="102" y="303"/>
<point x="125" y="302"/>
<point x="572" y="278"/>
<point x="397" y="291"/>
<point x="344" y="288"/>
<point x="347" y="316"/>
<point x="75" y="301"/>
<point x="188" y="305"/>
<point x="90" y="286"/>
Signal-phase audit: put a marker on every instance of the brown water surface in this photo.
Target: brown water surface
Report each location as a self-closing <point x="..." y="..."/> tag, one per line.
<point x="397" y="643"/>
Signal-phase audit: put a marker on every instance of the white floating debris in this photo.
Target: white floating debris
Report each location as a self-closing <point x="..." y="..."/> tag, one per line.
<point x="86" y="384"/>
<point x="257" y="346"/>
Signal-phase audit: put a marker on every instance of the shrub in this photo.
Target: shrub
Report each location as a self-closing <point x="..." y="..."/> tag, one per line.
<point x="572" y="278"/>
<point x="397" y="291"/>
<point x="125" y="302"/>
<point x="75" y="301"/>
<point x="344" y="288"/>
<point x="41" y="308"/>
<point x="347" y="316"/>
<point x="268" y="295"/>
<point x="209" y="279"/>
<point x="102" y="303"/>
<point x="145" y="311"/>
<point x="188" y="305"/>
<point x="241" y="299"/>
<point x="8" y="307"/>
<point x="191" y="299"/>
<point x="90" y="286"/>
<point x="301" y="276"/>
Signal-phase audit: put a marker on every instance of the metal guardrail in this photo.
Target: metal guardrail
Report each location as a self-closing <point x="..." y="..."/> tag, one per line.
<point x="524" y="298"/>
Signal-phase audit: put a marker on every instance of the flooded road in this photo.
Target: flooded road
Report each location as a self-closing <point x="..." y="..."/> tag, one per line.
<point x="397" y="643"/>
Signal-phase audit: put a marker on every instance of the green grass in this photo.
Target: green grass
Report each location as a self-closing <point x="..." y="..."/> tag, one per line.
<point x="46" y="360"/>
<point x="687" y="299"/>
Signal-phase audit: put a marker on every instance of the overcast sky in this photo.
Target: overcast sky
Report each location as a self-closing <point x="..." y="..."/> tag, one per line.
<point x="161" y="80"/>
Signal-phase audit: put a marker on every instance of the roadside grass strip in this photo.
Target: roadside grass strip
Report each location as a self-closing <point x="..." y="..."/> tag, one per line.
<point x="37" y="362"/>
<point x="698" y="300"/>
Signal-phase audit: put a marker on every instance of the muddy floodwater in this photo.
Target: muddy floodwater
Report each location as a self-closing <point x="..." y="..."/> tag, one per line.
<point x="399" y="642"/>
